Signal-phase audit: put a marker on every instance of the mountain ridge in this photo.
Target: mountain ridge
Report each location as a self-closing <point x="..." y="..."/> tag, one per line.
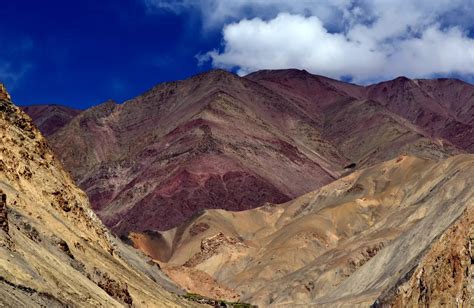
<point x="52" y="117"/>
<point x="129" y="157"/>
<point x="277" y="188"/>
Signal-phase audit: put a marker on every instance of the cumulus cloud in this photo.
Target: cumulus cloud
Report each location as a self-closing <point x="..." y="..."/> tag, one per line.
<point x="365" y="54"/>
<point x="368" y="40"/>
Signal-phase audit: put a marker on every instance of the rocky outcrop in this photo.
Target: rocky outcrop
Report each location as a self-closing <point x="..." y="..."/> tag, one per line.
<point x="210" y="247"/>
<point x="443" y="277"/>
<point x="4" y="95"/>
<point x="116" y="289"/>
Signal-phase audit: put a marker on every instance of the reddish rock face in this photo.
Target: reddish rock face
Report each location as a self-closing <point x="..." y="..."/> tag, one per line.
<point x="443" y="107"/>
<point x="217" y="140"/>
<point x="183" y="196"/>
<point x="310" y="92"/>
<point x="50" y="118"/>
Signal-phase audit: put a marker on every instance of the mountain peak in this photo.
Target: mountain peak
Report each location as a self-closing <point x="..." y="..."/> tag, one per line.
<point x="215" y="75"/>
<point x="402" y="78"/>
<point x="288" y="73"/>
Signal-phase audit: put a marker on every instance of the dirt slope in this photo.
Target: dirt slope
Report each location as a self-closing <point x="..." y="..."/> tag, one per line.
<point x="347" y="243"/>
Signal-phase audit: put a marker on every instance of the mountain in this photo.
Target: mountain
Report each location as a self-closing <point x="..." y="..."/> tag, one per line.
<point x="217" y="140"/>
<point x="399" y="233"/>
<point x="443" y="107"/>
<point x="312" y="93"/>
<point x="54" y="251"/>
<point x="213" y="141"/>
<point x="279" y="188"/>
<point x="50" y="118"/>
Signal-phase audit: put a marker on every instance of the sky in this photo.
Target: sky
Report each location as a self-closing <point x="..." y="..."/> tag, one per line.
<point x="81" y="53"/>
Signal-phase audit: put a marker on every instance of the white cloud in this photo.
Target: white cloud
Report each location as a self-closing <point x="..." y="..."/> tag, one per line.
<point x="367" y="39"/>
<point x="10" y="75"/>
<point x="13" y="65"/>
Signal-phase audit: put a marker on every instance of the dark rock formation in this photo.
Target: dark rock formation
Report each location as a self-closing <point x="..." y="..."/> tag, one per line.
<point x="114" y="288"/>
<point x="3" y="212"/>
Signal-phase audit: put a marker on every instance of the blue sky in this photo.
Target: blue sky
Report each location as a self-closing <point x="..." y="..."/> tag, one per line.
<point x="84" y="52"/>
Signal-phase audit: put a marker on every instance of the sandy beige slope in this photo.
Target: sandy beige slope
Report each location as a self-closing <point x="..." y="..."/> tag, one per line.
<point x="352" y="242"/>
<point x="53" y="249"/>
